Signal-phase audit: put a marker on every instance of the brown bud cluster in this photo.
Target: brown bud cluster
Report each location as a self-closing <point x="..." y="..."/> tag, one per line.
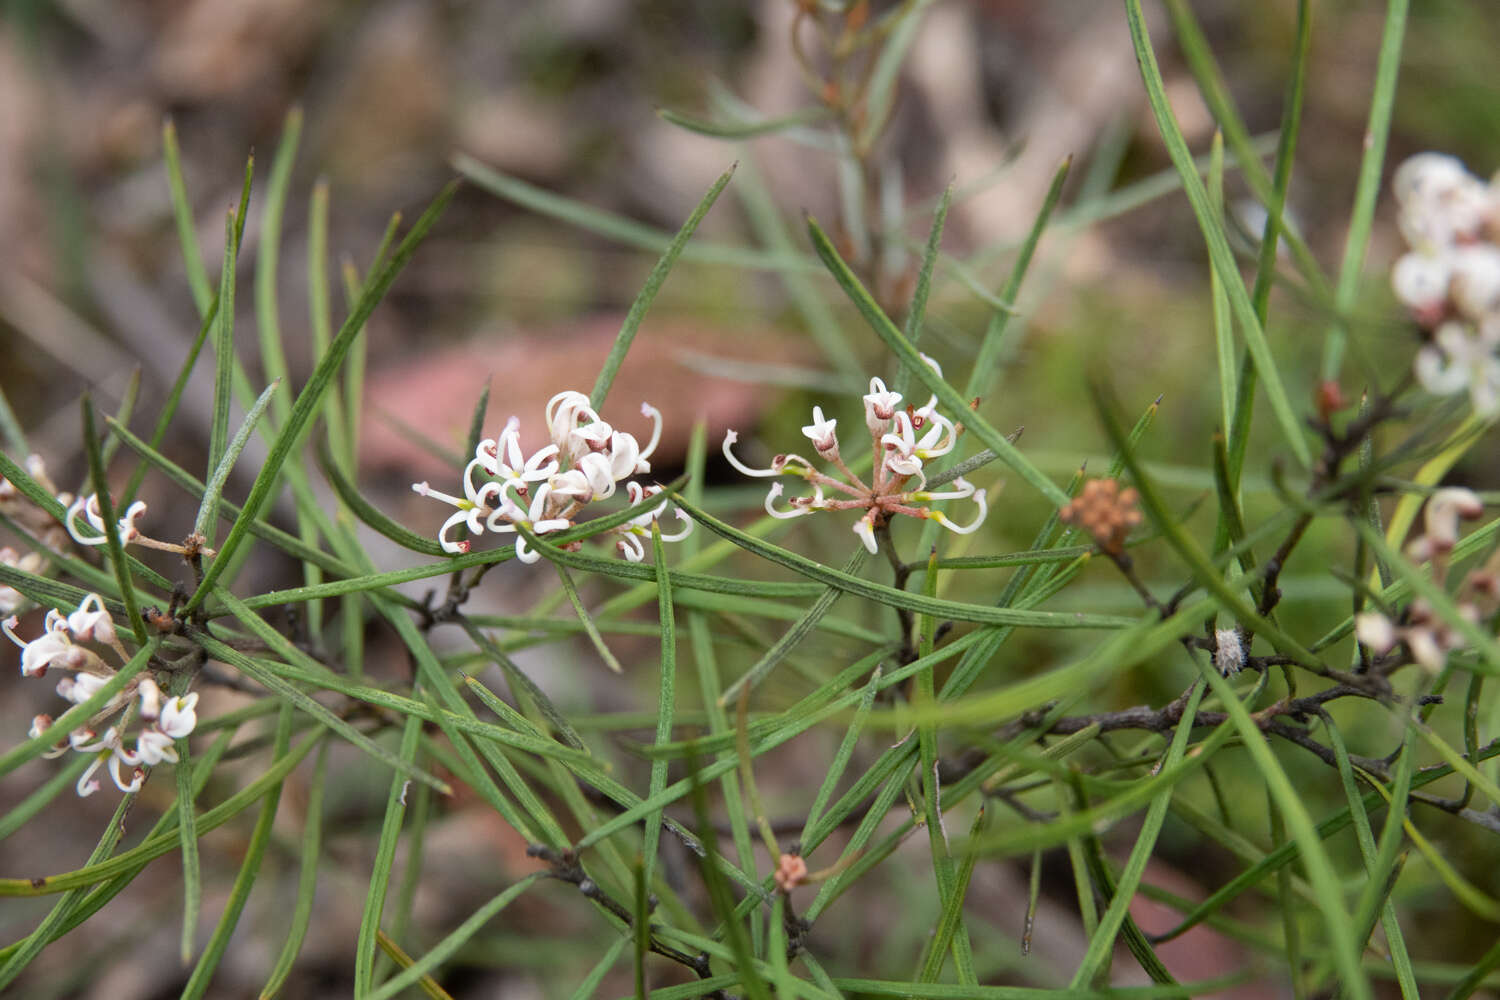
<point x="791" y="871"/>
<point x="1105" y="511"/>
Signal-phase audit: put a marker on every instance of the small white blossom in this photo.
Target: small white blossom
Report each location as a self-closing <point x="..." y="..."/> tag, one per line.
<point x="1459" y="359"/>
<point x="901" y="441"/>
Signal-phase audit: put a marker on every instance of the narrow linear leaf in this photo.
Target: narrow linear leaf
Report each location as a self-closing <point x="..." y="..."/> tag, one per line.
<point x="310" y="399"/>
<point x="648" y="291"/>
<point x="1213" y="235"/>
<point x="204" y="523"/>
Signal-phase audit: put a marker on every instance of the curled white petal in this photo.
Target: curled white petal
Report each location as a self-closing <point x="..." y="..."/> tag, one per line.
<point x="730" y="437"/>
<point x="979" y="501"/>
<point x="647" y="410"/>
<point x="449" y="545"/>
<point x="687" y="528"/>
<point x="631" y="548"/>
<point x="866" y="532"/>
<point x="776" y="491"/>
<point x="128" y="530"/>
<point x="80" y="506"/>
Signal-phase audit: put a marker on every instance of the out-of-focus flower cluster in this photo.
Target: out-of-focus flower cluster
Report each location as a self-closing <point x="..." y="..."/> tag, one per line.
<point x="72" y="643"/>
<point x="588" y="458"/>
<point x="1450" y="279"/>
<point x="1427" y="636"/>
<point x="901" y="440"/>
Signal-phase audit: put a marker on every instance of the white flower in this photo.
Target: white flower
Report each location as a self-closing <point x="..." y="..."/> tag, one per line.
<point x="92" y="626"/>
<point x="1420" y="282"/>
<point x="535" y="520"/>
<point x="822" y="434"/>
<point x="79" y="688"/>
<point x="108" y="748"/>
<point x="471" y="509"/>
<point x="1441" y="203"/>
<point x="52" y="647"/>
<point x="150" y="696"/>
<point x="880" y="407"/>
<point x="153" y="746"/>
<point x="179" y="715"/>
<point x="1475" y="286"/>
<point x="1441" y="516"/>
<point x="1458" y="360"/>
<point x="502" y="457"/>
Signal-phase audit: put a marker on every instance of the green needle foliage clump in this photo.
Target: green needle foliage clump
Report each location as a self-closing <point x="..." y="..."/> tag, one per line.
<point x="953" y="710"/>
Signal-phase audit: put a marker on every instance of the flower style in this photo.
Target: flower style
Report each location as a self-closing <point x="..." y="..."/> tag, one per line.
<point x="587" y="459"/>
<point x="901" y="441"/>
<point x="60" y="645"/>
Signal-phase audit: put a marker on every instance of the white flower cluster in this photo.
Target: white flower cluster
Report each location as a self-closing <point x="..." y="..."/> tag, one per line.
<point x="900" y="441"/>
<point x="1428" y="638"/>
<point x="66" y="643"/>
<point x="586" y="461"/>
<point x="1450" y="280"/>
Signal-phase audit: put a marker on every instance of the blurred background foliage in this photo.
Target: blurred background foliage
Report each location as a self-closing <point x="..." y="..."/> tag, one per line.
<point x="565" y="95"/>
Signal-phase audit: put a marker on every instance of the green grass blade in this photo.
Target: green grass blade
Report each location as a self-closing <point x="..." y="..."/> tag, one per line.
<point x="187" y="829"/>
<point x="218" y="428"/>
<point x="182" y="212"/>
<point x="445" y="948"/>
<point x="917" y="311"/>
<point x="307" y="881"/>
<point x="880" y="91"/>
<point x="800" y="630"/>
<point x="648" y="291"/>
<point x="255" y="850"/>
<point x="823" y="327"/>
<point x="718" y="890"/>
<point x="666" y="701"/>
<point x="746" y="129"/>
<point x="204" y="523"/>
<point x="260" y="672"/>
<point x="890" y="596"/>
<point x="385" y="857"/>
<point x="994" y="334"/>
<point x="174" y="399"/>
<point x="310" y="398"/>
<point x="268" y="257"/>
<point x="368" y="513"/>
<point x="30" y="946"/>
<point x="1101" y="945"/>
<point x="587" y="620"/>
<point x="1213" y="235"/>
<point x="841" y="758"/>
<point x="1315" y="860"/>
<point x="1367" y="189"/>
